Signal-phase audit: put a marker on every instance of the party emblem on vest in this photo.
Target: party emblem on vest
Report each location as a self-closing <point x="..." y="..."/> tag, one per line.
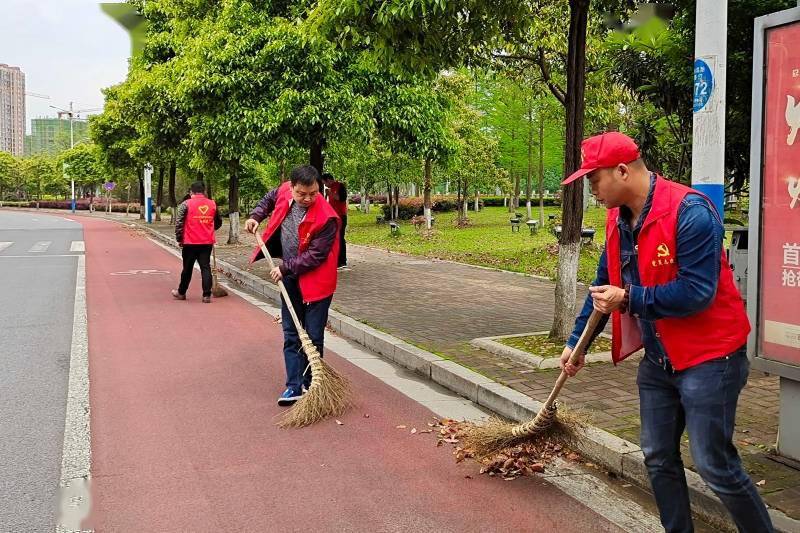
<point x="664" y="257"/>
<point x="203" y="209"/>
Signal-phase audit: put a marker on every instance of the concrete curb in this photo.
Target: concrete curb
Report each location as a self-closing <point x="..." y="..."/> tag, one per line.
<point x="491" y="345"/>
<point x="619" y="456"/>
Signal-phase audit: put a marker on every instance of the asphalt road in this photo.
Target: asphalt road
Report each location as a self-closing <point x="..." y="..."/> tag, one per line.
<point x="37" y="291"/>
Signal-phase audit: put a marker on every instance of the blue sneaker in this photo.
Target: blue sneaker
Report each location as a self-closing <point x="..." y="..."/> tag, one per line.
<point x="288" y="397"/>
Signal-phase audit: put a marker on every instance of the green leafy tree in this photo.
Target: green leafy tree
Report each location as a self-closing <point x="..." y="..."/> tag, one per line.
<point x="432" y="35"/>
<point x="10" y="173"/>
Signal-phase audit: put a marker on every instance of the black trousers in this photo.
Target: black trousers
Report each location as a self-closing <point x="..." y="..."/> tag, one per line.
<point x="202" y="254"/>
<point x="342" y="245"/>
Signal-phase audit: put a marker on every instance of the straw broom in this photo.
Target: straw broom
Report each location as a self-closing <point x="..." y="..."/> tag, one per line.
<point x="497" y="434"/>
<point x="217" y="290"/>
<point x="329" y="393"/>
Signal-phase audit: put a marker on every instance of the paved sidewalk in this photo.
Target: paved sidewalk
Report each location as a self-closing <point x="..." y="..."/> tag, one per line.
<point x="441" y="306"/>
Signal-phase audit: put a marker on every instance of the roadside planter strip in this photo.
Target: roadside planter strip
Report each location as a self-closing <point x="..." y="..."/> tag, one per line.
<point x="491" y="344"/>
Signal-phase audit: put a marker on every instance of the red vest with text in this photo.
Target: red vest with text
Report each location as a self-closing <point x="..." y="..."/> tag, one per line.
<point x="712" y="333"/>
<point x="340" y="206"/>
<point x="198" y="228"/>
<point x="320" y="282"/>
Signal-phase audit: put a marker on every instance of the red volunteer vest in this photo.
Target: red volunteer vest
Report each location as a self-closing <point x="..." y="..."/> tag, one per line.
<point x="198" y="228"/>
<point x="320" y="282"/>
<point x="333" y="198"/>
<point x="712" y="333"/>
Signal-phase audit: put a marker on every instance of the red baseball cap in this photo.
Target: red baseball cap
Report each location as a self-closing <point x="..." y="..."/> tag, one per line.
<point x="604" y="151"/>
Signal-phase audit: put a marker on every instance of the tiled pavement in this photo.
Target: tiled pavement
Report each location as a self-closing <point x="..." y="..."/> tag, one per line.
<point x="441" y="306"/>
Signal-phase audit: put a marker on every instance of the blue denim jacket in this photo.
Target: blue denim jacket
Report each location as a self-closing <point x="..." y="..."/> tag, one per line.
<point x="699" y="244"/>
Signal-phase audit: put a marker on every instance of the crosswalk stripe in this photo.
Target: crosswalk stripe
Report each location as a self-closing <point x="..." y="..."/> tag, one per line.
<point x="41" y="246"/>
<point x="4" y="245"/>
<point x="77" y="246"/>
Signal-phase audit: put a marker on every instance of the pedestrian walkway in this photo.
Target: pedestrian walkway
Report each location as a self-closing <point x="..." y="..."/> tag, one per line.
<point x="441" y="306"/>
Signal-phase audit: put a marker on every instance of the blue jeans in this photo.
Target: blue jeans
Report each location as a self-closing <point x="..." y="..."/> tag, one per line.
<point x="701" y="399"/>
<point x="314" y="318"/>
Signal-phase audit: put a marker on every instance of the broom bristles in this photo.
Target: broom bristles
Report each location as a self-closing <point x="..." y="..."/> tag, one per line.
<point x="329" y="395"/>
<point x="497" y="434"/>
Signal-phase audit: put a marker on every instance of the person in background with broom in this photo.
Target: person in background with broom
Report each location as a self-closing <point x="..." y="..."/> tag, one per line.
<point x="665" y="280"/>
<point x="195" y="223"/>
<point x="303" y="231"/>
<point x="337" y="197"/>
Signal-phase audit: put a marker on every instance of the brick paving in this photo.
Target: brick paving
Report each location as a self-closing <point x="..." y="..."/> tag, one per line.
<point x="441" y="306"/>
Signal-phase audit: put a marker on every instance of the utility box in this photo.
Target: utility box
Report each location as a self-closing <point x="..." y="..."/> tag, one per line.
<point x="737" y="257"/>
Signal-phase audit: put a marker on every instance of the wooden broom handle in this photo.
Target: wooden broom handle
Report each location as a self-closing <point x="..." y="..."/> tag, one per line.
<point x="281" y="286"/>
<point x="580" y="347"/>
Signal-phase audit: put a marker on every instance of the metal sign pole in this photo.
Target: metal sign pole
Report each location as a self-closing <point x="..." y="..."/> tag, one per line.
<point x="708" y="132"/>
<point x="148" y="185"/>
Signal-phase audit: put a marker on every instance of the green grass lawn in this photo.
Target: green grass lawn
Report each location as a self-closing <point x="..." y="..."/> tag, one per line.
<point x="542" y="346"/>
<point x="487" y="241"/>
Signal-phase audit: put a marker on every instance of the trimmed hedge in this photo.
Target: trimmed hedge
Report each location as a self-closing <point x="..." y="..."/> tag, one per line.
<point x="410" y="207"/>
<point x="373" y="198"/>
<point x="497" y="201"/>
<point x="80" y="205"/>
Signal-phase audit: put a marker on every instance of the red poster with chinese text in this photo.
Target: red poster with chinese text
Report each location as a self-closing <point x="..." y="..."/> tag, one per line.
<point x="779" y="290"/>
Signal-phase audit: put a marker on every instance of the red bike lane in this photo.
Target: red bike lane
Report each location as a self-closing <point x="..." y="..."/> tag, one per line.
<point x="184" y="437"/>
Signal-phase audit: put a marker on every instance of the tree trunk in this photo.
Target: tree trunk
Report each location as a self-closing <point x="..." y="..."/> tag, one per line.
<point x="173" y="202"/>
<point x="396" y="202"/>
<point x="209" y="188"/>
<point x="477" y="200"/>
<point x="572" y="206"/>
<point x="541" y="169"/>
<point x="530" y="161"/>
<point x="317" y="158"/>
<point x="233" y="202"/>
<point x="516" y="190"/>
<point x="389" y="201"/>
<point x="426" y="202"/>
<point x="128" y="205"/>
<point x="284" y="177"/>
<point x="159" y="192"/>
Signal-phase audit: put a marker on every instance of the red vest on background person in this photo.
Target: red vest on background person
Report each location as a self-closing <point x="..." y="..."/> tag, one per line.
<point x="340" y="206"/>
<point x="198" y="228"/>
<point x="716" y="331"/>
<point x="320" y="282"/>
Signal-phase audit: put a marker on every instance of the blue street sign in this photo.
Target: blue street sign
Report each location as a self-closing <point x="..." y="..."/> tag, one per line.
<point x="703" y="84"/>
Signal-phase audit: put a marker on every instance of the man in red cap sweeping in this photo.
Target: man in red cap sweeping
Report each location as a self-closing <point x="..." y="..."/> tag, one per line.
<point x="665" y="280"/>
<point x="303" y="231"/>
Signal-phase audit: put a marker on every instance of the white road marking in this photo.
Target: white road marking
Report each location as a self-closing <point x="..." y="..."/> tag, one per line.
<point x="40" y="247"/>
<point x="4" y="245"/>
<point x="77" y="246"/>
<point x="135" y="272"/>
<point x="74" y="491"/>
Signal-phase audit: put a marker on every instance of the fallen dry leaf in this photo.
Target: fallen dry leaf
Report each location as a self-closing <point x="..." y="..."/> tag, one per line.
<point x="400" y="427"/>
<point x="573" y="457"/>
<point x="366" y="415"/>
<point x="762" y="483"/>
<point x="339" y="422"/>
<point x="426" y="431"/>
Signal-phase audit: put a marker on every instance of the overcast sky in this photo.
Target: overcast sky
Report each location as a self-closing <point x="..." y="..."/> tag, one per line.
<point x="68" y="49"/>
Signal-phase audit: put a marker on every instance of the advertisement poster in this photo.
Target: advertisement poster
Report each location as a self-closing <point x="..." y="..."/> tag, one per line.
<point x="779" y="286"/>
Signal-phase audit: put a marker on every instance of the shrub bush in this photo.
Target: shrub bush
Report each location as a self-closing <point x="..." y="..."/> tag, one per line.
<point x="497" y="201"/>
<point x="373" y="198"/>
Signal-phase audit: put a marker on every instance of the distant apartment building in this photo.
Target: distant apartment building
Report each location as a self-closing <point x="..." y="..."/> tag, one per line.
<point x="12" y="109"/>
<point x="51" y="135"/>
